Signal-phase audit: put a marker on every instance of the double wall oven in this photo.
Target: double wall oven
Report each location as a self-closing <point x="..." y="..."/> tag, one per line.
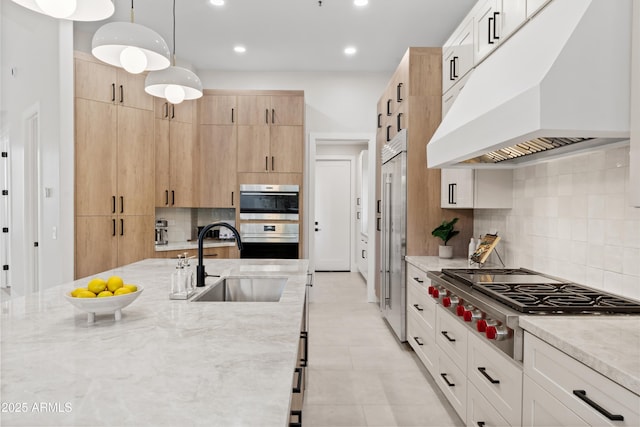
<point x="269" y="221"/>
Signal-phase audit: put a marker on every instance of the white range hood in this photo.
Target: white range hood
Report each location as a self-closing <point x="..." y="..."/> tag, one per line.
<point x="562" y="79"/>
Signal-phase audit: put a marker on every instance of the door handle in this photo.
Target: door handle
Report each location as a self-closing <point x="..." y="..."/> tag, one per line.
<point x="489" y="27"/>
<point x="455" y="68"/>
<point x="399" y="92"/>
<point x="495" y="21"/>
<point x="317" y="229"/>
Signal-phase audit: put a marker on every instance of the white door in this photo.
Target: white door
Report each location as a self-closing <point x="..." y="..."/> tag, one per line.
<point x="333" y="215"/>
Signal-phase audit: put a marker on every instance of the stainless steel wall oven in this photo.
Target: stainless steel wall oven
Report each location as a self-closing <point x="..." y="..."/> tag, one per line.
<point x="269" y="202"/>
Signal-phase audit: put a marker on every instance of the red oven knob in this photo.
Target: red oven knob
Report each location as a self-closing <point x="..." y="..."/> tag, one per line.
<point x="435" y="293"/>
<point x="449" y="301"/>
<point x="460" y="310"/>
<point x="481" y="326"/>
<point x="471" y="315"/>
<point x="430" y="290"/>
<point x="497" y="333"/>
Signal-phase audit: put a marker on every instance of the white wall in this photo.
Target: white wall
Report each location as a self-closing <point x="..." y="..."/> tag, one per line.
<point x="572" y="219"/>
<point x="36" y="68"/>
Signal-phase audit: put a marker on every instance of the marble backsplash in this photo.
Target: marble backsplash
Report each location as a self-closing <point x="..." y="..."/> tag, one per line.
<point x="183" y="222"/>
<point x="572" y="219"/>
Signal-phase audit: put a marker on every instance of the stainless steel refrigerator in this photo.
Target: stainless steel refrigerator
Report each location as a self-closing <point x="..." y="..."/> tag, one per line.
<point x="393" y="233"/>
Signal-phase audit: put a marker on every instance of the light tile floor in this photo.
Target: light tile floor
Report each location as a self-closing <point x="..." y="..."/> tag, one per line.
<point x="359" y="374"/>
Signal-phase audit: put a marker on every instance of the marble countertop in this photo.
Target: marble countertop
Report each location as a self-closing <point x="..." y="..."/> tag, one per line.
<point x="193" y="244"/>
<point x="166" y="362"/>
<point x="607" y="344"/>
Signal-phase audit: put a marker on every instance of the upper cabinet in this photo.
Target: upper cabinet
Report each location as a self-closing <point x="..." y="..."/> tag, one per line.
<point x="457" y="55"/>
<point x="182" y="112"/>
<point x="271" y="110"/>
<point x="476" y="189"/>
<point x="218" y="109"/>
<point x="495" y="20"/>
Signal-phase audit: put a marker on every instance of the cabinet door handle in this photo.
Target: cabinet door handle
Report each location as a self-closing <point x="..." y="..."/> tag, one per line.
<point x="121" y="227"/>
<point x="379" y="206"/>
<point x="379" y="120"/>
<point x="273" y="115"/>
<point x="489" y="27"/>
<point x="305" y="358"/>
<point x="273" y="168"/>
<point x="388" y="133"/>
<point x="166" y="110"/>
<point x="232" y="114"/>
<point x="389" y="107"/>
<point x="173" y="197"/>
<point x="298" y="387"/>
<point x="495" y="22"/>
<point x="452" y="194"/>
<point x="399" y="119"/>
<point x="481" y="423"/>
<point x="114" y="227"/>
<point x="419" y="280"/>
<point x="166" y="197"/>
<point x="455" y="68"/>
<point x="451" y="70"/>
<point x="378" y="224"/>
<point x="418" y="307"/>
<point x="483" y="371"/>
<point x="399" y="92"/>
<point x="173" y="111"/>
<point x="418" y="341"/>
<point x="362" y="255"/>
<point x="121" y="94"/>
<point x="357" y="215"/>
<point x="232" y="198"/>
<point x="113" y="204"/>
<point x="446" y="335"/>
<point x="446" y="380"/>
<point x="582" y="395"/>
<point x="266" y="115"/>
<point x="113" y="92"/>
<point x="121" y="204"/>
<point x="266" y="163"/>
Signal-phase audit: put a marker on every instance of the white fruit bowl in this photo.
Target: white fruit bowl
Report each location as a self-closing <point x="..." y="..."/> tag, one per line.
<point x="112" y="304"/>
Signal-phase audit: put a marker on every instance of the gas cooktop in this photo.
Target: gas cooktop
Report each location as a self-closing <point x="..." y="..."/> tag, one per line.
<point x="527" y="291"/>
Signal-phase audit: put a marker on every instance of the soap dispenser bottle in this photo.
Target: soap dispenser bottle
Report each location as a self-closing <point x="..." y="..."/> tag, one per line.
<point x="178" y="282"/>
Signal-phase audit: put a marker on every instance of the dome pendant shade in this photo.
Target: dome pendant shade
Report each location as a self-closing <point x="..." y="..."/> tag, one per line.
<point x="112" y="38"/>
<point x="157" y="82"/>
<point x="78" y="10"/>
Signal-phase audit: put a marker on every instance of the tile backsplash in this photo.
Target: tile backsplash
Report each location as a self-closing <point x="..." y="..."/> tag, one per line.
<point x="183" y="222"/>
<point x="572" y="219"/>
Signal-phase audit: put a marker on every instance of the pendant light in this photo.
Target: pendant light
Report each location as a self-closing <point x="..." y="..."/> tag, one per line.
<point x="131" y="46"/>
<point x="75" y="10"/>
<point x="174" y="83"/>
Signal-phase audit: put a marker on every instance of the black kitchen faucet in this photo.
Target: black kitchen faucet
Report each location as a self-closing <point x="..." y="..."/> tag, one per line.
<point x="200" y="272"/>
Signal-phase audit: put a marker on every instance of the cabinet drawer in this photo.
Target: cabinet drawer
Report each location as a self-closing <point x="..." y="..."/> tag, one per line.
<point x="418" y="276"/>
<point x="486" y="365"/>
<point x="420" y="303"/>
<point x="563" y="377"/>
<point x="423" y="342"/>
<point x="539" y="408"/>
<point x="453" y="383"/>
<point x="481" y="413"/>
<point x="451" y="336"/>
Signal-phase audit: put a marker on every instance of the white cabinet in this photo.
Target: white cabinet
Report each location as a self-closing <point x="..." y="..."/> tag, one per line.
<point x="457" y="55"/>
<point x="421" y="319"/>
<point x="494" y="21"/>
<point x="480" y="412"/>
<point x="476" y="189"/>
<point x="363" y="249"/>
<point x="562" y="391"/>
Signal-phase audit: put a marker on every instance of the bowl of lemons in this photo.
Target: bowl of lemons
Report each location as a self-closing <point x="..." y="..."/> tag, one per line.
<point x="104" y="296"/>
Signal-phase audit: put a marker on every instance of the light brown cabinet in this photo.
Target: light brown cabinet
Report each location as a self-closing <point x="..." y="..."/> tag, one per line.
<point x="218" y="180"/>
<point x="278" y="109"/>
<point x="114" y="177"/>
<point x="218" y="109"/>
<point x="175" y="156"/>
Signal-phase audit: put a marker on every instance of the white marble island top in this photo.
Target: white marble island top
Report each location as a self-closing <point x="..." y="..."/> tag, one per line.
<point x="165" y="363"/>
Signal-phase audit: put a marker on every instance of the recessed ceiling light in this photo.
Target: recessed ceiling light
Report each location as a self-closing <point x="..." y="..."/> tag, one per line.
<point x="240" y="49"/>
<point x="361" y="2"/>
<point x="350" y="50"/>
<point x="217" y="2"/>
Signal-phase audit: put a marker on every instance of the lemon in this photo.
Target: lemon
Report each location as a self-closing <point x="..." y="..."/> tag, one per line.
<point x="97" y="285"/>
<point x="132" y="288"/>
<point x="122" y="291"/>
<point x="86" y="294"/>
<point x="104" y="294"/>
<point x="114" y="282"/>
<point x="76" y="291"/>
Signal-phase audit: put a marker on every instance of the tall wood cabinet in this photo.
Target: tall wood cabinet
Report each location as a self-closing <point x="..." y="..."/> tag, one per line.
<point x="114" y="179"/>
<point x="412" y="101"/>
<point x="175" y="151"/>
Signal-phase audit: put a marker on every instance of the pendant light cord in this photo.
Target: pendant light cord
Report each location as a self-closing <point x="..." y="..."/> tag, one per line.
<point x="174" y="32"/>
<point x="132" y="11"/>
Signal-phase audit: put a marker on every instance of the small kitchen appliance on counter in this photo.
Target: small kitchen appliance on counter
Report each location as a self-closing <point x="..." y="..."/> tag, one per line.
<point x="161" y="232"/>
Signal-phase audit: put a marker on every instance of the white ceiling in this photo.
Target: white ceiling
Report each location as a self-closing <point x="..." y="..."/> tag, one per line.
<point x="295" y="35"/>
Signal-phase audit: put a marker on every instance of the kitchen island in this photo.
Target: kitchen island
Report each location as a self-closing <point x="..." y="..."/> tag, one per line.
<point x="166" y="362"/>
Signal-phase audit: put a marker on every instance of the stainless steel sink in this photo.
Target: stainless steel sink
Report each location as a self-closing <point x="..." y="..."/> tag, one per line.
<point x="244" y="289"/>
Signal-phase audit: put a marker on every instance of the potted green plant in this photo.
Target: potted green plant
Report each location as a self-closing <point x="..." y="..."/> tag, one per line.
<point x="445" y="232"/>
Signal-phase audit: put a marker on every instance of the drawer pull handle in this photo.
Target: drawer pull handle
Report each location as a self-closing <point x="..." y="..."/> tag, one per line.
<point x="582" y="395"/>
<point x="481" y="423"/>
<point x="419" y="280"/>
<point x="446" y="335"/>
<point x="483" y="371"/>
<point x="418" y="307"/>
<point x="444" y="377"/>
<point x="418" y="340"/>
